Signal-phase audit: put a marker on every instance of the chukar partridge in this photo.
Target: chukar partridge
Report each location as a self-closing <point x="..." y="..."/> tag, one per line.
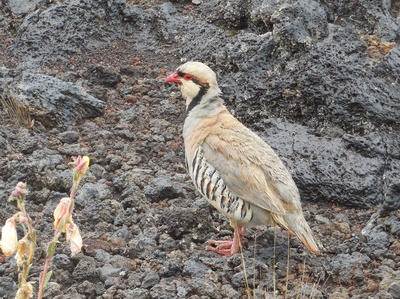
<point x="234" y="169"/>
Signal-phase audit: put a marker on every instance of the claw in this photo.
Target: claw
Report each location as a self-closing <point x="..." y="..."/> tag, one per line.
<point x="228" y="247"/>
<point x="220" y="244"/>
<point x="226" y="252"/>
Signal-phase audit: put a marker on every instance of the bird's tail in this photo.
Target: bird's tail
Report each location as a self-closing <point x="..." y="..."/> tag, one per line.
<point x="296" y="224"/>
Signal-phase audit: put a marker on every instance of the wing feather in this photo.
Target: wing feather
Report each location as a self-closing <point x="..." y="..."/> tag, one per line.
<point x="250" y="168"/>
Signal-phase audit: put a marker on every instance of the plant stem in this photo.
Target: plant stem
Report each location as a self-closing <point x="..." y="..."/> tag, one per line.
<point x="78" y="172"/>
<point x="42" y="278"/>
<point x="32" y="242"/>
<point x="57" y="234"/>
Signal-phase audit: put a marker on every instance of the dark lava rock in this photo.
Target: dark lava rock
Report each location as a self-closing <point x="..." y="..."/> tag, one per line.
<point x="68" y="136"/>
<point x="39" y="170"/>
<point x="394" y="289"/>
<point x="90" y="193"/>
<point x="161" y="188"/>
<point x="392" y="201"/>
<point x="348" y="269"/>
<point x="63" y="261"/>
<point x="86" y="269"/>
<point x="283" y="17"/>
<point x="377" y="244"/>
<point x="89" y="289"/>
<point x="194" y="269"/>
<point x="54" y="102"/>
<point x="150" y="280"/>
<point x="138" y="294"/>
<point x="323" y="165"/>
<point x="108" y="271"/>
<point x="103" y="76"/>
<point x="203" y="287"/>
<point x="28" y="143"/>
<point x="181" y="221"/>
<point x="165" y="289"/>
<point x="52" y="290"/>
<point x="23" y="6"/>
<point x="8" y="287"/>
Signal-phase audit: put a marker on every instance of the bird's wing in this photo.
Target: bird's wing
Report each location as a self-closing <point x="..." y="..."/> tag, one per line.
<point x="250" y="168"/>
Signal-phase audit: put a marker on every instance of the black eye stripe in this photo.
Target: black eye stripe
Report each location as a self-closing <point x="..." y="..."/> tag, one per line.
<point x="197" y="82"/>
<point x="182" y="74"/>
<point x="202" y="84"/>
<point x="194" y="80"/>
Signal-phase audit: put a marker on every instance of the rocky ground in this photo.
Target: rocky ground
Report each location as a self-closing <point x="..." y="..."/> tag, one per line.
<point x="319" y="81"/>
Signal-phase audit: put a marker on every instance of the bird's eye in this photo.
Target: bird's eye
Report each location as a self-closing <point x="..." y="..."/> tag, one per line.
<point x="188" y="77"/>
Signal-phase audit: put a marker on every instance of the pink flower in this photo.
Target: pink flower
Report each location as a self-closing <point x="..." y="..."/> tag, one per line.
<point x="22" y="218"/>
<point x="9" y="240"/>
<point x="61" y="211"/>
<point x="74" y="236"/>
<point x="19" y="190"/>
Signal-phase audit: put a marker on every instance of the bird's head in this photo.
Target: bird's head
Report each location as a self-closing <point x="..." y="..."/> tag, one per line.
<point x="197" y="83"/>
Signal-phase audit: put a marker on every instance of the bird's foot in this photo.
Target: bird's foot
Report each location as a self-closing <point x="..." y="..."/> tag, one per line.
<point x="221" y="247"/>
<point x="228" y="247"/>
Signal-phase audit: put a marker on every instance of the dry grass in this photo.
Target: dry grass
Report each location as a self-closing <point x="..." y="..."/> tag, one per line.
<point x="18" y="113"/>
<point x="272" y="294"/>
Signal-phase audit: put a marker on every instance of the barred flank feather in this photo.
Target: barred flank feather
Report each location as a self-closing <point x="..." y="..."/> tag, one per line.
<point x="210" y="184"/>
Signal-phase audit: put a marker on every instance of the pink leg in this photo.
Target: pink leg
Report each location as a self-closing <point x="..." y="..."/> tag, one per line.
<point x="229" y="247"/>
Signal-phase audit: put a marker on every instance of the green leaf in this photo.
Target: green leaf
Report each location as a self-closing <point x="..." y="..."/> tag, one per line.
<point x="51" y="249"/>
<point x="28" y="269"/>
<point x="33" y="236"/>
<point x="46" y="279"/>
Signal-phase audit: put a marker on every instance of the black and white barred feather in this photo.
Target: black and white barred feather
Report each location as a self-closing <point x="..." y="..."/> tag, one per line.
<point x="211" y="185"/>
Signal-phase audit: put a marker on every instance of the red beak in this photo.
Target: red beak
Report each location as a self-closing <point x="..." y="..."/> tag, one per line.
<point x="173" y="78"/>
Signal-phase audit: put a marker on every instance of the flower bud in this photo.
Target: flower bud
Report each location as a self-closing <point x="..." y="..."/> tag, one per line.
<point x="9" y="240"/>
<point x="61" y="211"/>
<point x="23" y="251"/>
<point x="74" y="236"/>
<point x="81" y="166"/>
<point x="19" y="190"/>
<point x="25" y="291"/>
<point x="22" y="218"/>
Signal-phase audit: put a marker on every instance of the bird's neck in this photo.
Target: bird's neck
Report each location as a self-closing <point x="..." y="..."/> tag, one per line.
<point x="205" y="108"/>
<point x="206" y="103"/>
<point x="199" y="119"/>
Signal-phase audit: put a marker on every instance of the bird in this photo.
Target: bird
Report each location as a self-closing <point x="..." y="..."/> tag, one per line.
<point x="232" y="167"/>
